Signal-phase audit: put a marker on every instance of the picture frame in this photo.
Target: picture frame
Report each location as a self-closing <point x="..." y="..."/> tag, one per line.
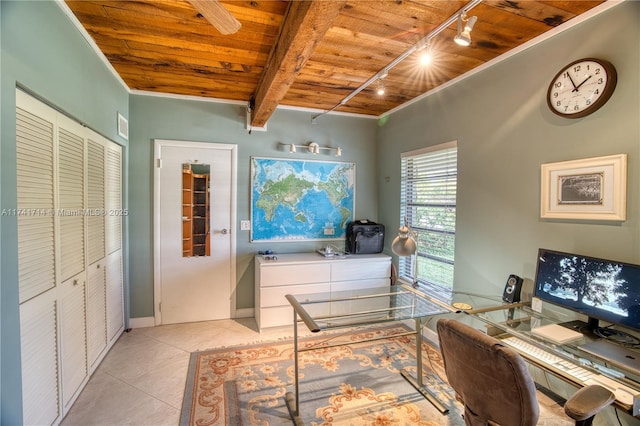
<point x="587" y="189"/>
<point x="295" y="200"/>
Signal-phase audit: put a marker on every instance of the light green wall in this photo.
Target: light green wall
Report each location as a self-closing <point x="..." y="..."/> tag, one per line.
<point x="505" y="132"/>
<point x="162" y="118"/>
<point x="498" y="117"/>
<point x="42" y="51"/>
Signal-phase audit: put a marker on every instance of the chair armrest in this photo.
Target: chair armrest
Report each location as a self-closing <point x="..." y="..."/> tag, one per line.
<point x="588" y="402"/>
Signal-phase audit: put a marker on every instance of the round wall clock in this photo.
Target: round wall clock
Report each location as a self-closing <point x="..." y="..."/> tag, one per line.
<point x="581" y="87"/>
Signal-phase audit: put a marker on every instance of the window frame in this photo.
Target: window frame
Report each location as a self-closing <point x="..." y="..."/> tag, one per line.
<point x="429" y="165"/>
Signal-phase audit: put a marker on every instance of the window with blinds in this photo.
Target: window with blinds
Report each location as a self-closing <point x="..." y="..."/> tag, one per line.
<point x="428" y="206"/>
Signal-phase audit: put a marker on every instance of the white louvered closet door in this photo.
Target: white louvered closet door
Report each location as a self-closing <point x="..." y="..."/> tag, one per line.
<point x="38" y="341"/>
<point x="96" y="284"/>
<point x="66" y="178"/>
<point x="115" y="214"/>
<point x="35" y="209"/>
<point x="36" y="260"/>
<point x="71" y="197"/>
<point x="71" y="225"/>
<point x="95" y="198"/>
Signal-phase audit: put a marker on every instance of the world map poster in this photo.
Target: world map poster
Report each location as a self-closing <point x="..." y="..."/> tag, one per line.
<point x="301" y="200"/>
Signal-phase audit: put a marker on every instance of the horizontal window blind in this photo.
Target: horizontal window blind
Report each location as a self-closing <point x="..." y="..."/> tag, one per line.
<point x="428" y="206"/>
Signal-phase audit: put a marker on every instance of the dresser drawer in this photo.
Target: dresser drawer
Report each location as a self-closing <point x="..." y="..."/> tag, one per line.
<point x="360" y="270"/>
<point x="274" y="296"/>
<point x="382" y="283"/>
<point x="283" y="315"/>
<point x="305" y="273"/>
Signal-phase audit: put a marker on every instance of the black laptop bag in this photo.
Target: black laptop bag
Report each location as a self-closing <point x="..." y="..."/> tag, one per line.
<point x="365" y="237"/>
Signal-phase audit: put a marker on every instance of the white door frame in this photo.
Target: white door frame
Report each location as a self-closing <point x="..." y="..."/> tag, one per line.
<point x="158" y="144"/>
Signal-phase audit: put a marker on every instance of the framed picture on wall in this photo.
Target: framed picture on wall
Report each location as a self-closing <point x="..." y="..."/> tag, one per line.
<point x="295" y="200"/>
<point x="587" y="189"/>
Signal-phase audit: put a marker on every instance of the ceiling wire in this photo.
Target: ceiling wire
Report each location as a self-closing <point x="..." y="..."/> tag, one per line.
<point x="417" y="46"/>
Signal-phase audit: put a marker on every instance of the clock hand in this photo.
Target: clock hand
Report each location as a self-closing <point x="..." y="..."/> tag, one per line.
<point x="585" y="80"/>
<point x="572" y="83"/>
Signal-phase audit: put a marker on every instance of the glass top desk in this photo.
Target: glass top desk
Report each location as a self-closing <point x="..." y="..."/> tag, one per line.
<point x="571" y="360"/>
<point x="369" y="306"/>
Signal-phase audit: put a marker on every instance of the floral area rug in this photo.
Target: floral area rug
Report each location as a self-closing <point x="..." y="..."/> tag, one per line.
<point x="358" y="383"/>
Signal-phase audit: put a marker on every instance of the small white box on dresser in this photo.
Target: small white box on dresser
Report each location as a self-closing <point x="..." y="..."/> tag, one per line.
<point x="305" y="273"/>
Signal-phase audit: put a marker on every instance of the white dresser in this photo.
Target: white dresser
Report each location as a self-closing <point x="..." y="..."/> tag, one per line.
<point x="304" y="273"/>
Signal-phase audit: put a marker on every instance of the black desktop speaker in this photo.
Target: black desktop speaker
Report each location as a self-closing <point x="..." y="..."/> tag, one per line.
<point x="512" y="289"/>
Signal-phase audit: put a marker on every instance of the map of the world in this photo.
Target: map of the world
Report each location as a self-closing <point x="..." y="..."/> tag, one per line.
<point x="296" y="200"/>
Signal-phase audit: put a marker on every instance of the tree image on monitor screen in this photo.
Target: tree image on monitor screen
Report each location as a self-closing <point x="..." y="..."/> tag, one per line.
<point x="589" y="280"/>
<point x="628" y="294"/>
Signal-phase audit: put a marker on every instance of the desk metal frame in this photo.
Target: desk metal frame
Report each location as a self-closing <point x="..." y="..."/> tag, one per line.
<point x="293" y="400"/>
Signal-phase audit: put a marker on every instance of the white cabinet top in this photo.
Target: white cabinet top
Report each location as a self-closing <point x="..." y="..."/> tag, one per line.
<point x="293" y="258"/>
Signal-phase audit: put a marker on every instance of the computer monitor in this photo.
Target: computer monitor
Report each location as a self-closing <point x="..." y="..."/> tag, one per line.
<point x="598" y="288"/>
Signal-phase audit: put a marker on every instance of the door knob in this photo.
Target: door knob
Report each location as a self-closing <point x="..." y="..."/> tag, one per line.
<point x="224" y="231"/>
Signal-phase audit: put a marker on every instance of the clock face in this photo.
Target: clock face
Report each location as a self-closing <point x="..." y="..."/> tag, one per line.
<point x="581" y="88"/>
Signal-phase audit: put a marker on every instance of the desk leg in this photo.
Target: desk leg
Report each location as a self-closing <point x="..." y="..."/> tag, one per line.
<point x="293" y="401"/>
<point x="419" y="351"/>
<point x="417" y="383"/>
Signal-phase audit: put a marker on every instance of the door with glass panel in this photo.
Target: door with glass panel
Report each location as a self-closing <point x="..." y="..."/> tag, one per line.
<point x="194" y="242"/>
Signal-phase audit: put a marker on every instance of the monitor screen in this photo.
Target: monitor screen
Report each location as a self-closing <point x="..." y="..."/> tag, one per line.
<point x="601" y="289"/>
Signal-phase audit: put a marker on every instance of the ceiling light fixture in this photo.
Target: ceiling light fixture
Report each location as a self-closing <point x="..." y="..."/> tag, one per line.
<point x="380" y="88"/>
<point x="426" y="56"/>
<point x="465" y="25"/>
<point x="312" y="147"/>
<point x="423" y="42"/>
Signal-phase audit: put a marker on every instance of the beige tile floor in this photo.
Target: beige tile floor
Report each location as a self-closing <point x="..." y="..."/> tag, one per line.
<point x="141" y="380"/>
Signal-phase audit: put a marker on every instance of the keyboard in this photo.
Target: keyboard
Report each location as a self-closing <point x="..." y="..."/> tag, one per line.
<point x="582" y="376"/>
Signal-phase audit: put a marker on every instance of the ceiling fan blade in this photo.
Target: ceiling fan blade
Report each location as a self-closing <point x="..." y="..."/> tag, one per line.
<point x="217" y="15"/>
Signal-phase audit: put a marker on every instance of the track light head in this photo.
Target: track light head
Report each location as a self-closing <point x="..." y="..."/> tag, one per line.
<point x="380" y="88"/>
<point x="463" y="38"/>
<point x="313" y="148"/>
<point x="338" y="152"/>
<point x="426" y="53"/>
<point x="292" y="148"/>
<point x="426" y="56"/>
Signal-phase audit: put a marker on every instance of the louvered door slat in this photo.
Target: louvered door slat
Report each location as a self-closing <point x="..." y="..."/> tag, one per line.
<point x="71" y="200"/>
<point x="38" y="341"/>
<point x="96" y="312"/>
<point x="95" y="201"/>
<point x="115" y="296"/>
<point x="36" y="263"/>
<point x="72" y="336"/>
<point x="114" y="198"/>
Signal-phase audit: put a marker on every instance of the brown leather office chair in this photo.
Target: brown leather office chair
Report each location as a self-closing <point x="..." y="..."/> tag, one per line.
<point x="493" y="381"/>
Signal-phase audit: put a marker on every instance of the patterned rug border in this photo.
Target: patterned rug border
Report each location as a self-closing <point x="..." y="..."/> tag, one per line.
<point x="188" y="400"/>
<point x="552" y="412"/>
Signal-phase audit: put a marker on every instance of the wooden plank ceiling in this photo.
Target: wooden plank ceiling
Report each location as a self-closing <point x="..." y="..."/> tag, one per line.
<point x="308" y="54"/>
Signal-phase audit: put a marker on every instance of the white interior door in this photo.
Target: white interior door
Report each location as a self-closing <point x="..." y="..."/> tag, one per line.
<point x="194" y="287"/>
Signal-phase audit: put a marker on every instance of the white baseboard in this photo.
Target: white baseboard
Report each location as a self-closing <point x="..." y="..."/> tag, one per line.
<point x="142" y="322"/>
<point x="150" y="321"/>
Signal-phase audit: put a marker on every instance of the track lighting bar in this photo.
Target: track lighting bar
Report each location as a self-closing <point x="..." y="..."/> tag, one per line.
<point x="417" y="46"/>
<point x="312" y="147"/>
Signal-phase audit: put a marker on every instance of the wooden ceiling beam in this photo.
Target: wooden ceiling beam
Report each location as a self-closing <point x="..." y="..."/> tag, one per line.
<point x="304" y="25"/>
